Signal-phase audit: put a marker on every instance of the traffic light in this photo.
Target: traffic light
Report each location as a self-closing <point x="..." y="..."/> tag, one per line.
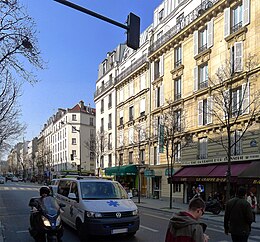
<point x="71" y="156"/>
<point x="133" y="32"/>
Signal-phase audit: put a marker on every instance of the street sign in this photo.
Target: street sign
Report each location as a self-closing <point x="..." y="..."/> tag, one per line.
<point x="149" y="173"/>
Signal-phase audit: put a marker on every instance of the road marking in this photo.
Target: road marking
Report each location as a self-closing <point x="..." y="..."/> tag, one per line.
<point x="151" y="215"/>
<point x="22" y="231"/>
<point x="153" y="230"/>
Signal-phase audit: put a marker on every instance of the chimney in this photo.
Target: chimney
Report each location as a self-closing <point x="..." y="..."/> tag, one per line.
<point x="81" y="105"/>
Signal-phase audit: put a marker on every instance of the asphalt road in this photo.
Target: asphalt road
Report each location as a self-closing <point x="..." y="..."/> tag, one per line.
<point x="14" y="215"/>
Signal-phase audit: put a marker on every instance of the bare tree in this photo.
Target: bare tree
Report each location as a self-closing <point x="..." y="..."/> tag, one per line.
<point x="18" y="51"/>
<point x="234" y="100"/>
<point x="171" y="135"/>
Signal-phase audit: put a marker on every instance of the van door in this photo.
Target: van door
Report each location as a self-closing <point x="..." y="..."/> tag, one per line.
<point x="62" y="197"/>
<point x="73" y="204"/>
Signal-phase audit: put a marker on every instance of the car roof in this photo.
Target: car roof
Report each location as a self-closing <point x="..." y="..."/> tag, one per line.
<point x="86" y="179"/>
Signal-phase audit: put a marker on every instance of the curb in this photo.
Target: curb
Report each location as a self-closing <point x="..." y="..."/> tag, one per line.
<point x="1" y="232"/>
<point x="254" y="226"/>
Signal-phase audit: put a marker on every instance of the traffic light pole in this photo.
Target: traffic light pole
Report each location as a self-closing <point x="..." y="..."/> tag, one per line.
<point x="132" y="27"/>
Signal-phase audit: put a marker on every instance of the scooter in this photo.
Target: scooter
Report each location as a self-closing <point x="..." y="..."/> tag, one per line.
<point x="45" y="220"/>
<point x="213" y="206"/>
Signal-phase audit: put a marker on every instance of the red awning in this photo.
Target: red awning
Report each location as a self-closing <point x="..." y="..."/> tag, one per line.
<point x="236" y="169"/>
<point x="186" y="173"/>
<point x="209" y="173"/>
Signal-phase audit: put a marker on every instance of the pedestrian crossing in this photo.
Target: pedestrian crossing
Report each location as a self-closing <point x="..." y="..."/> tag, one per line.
<point x="19" y="188"/>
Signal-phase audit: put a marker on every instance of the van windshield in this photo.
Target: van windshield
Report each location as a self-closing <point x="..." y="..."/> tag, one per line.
<point x="102" y="190"/>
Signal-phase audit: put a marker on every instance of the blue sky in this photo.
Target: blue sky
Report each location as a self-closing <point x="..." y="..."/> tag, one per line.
<point x="73" y="44"/>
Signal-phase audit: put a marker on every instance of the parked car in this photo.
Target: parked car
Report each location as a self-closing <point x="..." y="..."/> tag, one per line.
<point x="15" y="179"/>
<point x="2" y="180"/>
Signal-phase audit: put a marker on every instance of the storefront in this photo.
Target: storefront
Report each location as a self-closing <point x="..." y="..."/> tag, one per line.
<point x="211" y="178"/>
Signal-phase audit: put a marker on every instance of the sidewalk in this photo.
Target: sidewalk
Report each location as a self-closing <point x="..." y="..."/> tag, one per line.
<point x="164" y="205"/>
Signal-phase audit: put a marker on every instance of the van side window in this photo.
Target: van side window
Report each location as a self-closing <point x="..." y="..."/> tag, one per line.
<point x="64" y="188"/>
<point x="74" y="189"/>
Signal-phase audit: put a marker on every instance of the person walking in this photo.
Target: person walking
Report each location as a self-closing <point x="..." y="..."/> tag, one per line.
<point x="185" y="227"/>
<point x="238" y="217"/>
<point x="253" y="203"/>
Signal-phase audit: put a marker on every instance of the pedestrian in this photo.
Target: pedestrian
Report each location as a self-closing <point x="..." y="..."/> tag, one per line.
<point x="185" y="226"/>
<point x="238" y="217"/>
<point x="253" y="203"/>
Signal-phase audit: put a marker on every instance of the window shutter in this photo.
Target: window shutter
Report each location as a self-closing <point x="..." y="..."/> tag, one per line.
<point x="142" y="105"/>
<point x="195" y="42"/>
<point x="155" y="18"/>
<point x="155" y="126"/>
<point x="238" y="143"/>
<point x="225" y="104"/>
<point x="245" y="96"/>
<point x="209" y="109"/>
<point x="143" y="82"/>
<point x="152" y="71"/>
<point x="196" y="78"/>
<point x="200" y="112"/>
<point x="246" y="12"/>
<point x="161" y="68"/>
<point x="162" y="95"/>
<point x="226" y="22"/>
<point x="100" y="70"/>
<point x="131" y="136"/>
<point x="121" y="114"/>
<point x="210" y="32"/>
<point x="238" y="56"/>
<point x="155" y="97"/>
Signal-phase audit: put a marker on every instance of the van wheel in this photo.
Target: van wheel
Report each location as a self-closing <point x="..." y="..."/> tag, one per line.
<point x="82" y="235"/>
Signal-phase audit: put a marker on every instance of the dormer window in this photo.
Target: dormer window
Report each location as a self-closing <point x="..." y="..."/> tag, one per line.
<point x="160" y="15"/>
<point x="104" y="67"/>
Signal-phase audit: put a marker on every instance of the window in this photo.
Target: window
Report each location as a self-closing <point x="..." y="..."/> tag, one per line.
<point x="102" y="106"/>
<point x="74" y="117"/>
<point x="177" y="152"/>
<point x="160" y="15"/>
<point x="177" y="120"/>
<point x="158" y="68"/>
<point x="177" y="89"/>
<point x="121" y="157"/>
<point x="121" y="95"/>
<point x="110" y="121"/>
<point x="121" y="139"/>
<point x="110" y="160"/>
<point x="74" y="129"/>
<point x="159" y="96"/>
<point x="74" y="153"/>
<point x="131" y="136"/>
<point x="104" y="67"/>
<point x="110" y="100"/>
<point x="73" y="141"/>
<point x="201" y="77"/>
<point x="236" y="145"/>
<point x="177" y="56"/>
<point x="142" y="107"/>
<point x="131" y="113"/>
<point x="236" y="57"/>
<point x="91" y="121"/>
<point x="131" y="88"/>
<point x="142" y="82"/>
<point x="102" y="125"/>
<point x="205" y="111"/>
<point x="176" y="187"/>
<point x="142" y="156"/>
<point x="130" y="157"/>
<point x="203" y="38"/>
<point x="155" y="155"/>
<point x="236" y="17"/>
<point x="203" y="148"/>
<point x="110" y="141"/>
<point x="121" y="117"/>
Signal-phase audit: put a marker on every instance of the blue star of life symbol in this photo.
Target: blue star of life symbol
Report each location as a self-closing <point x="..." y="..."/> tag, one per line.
<point x="113" y="203"/>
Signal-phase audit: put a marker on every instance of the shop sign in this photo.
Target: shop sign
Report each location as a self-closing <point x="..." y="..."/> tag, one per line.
<point x="168" y="172"/>
<point x="149" y="173"/>
<point x="211" y="179"/>
<point x="256" y="182"/>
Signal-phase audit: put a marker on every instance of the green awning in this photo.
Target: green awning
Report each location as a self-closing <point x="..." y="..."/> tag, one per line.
<point x="127" y="170"/>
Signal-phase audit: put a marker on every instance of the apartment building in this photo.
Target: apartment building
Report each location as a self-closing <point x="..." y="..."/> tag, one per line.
<point x="201" y="68"/>
<point x="65" y="141"/>
<point x="105" y="99"/>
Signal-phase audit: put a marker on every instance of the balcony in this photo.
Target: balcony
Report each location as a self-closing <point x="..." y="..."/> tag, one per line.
<point x="131" y="118"/>
<point x="193" y="15"/>
<point x="104" y="87"/>
<point x="236" y="27"/>
<point x="202" y="48"/>
<point x="131" y="69"/>
<point x="177" y="63"/>
<point x="177" y="96"/>
<point x="203" y="84"/>
<point x="109" y="125"/>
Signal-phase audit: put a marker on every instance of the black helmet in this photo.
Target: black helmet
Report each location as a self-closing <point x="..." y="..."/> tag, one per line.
<point x="44" y="190"/>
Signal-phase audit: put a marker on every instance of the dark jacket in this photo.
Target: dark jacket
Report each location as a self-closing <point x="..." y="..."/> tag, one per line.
<point x="238" y="216"/>
<point x="184" y="228"/>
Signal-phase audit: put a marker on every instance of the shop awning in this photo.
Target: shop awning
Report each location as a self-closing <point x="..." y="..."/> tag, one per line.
<point x="209" y="173"/>
<point x="190" y="173"/>
<point x="251" y="175"/>
<point x="127" y="170"/>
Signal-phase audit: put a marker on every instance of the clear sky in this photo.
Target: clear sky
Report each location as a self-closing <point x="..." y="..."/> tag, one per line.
<point x="73" y="44"/>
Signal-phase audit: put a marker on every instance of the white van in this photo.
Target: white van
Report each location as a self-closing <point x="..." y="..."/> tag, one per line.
<point x="97" y="207"/>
